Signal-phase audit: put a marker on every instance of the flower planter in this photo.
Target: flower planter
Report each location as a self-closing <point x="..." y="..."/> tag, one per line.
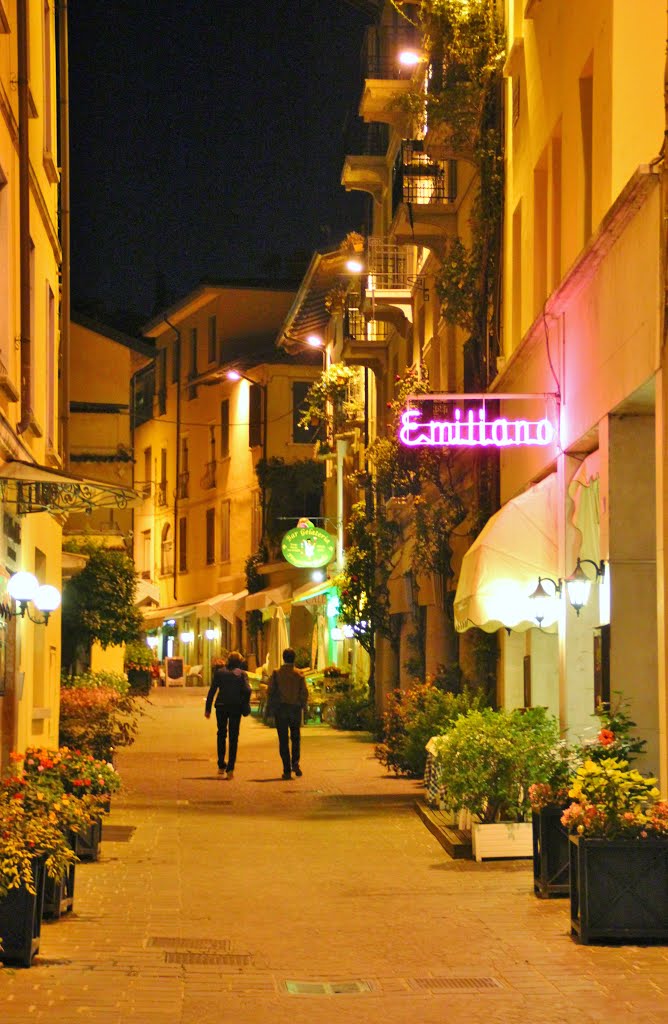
<point x="86" y="844"/>
<point x="503" y="839"/>
<point x="58" y="895"/>
<point x="619" y="889"/>
<point x="550" y="853"/>
<point x="21" y="921"/>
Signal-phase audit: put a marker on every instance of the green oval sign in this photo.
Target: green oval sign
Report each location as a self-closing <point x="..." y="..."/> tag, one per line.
<point x="308" y="547"/>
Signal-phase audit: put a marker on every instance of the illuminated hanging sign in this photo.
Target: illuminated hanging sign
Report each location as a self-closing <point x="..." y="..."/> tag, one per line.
<point x="308" y="547"/>
<point x="423" y="426"/>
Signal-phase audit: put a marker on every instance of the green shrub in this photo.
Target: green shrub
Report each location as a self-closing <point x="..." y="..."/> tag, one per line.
<point x="94" y="680"/>
<point x="412" y="717"/>
<point x="488" y="759"/>
<point x="302" y="658"/>
<point x="355" y="712"/>
<point x="98" y="713"/>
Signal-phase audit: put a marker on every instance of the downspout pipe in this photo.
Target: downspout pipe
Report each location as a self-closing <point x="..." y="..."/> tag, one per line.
<point x="65" y="294"/>
<point x="24" y="217"/>
<point x="177" y="460"/>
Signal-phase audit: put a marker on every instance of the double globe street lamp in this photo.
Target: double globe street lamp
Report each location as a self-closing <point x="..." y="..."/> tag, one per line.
<point x="26" y="590"/>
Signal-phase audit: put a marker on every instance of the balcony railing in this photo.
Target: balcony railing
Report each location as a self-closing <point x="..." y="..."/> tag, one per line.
<point x="382" y="46"/>
<point x="182" y="485"/>
<point x="360" y="329"/>
<point x="421" y="181"/>
<point x="209" y="479"/>
<point x="161" y="493"/>
<point x="366" y="139"/>
<point x="388" y="265"/>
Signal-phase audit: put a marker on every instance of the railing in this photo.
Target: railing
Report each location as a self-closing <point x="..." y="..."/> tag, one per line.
<point x="388" y="265"/>
<point x="209" y="479"/>
<point x="421" y="181"/>
<point x="360" y="329"/>
<point x="161" y="493"/>
<point x="382" y="46"/>
<point x="182" y="485"/>
<point x="364" y="138"/>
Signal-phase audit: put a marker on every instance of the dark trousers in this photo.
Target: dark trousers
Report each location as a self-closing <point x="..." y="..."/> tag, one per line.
<point x="288" y="718"/>
<point x="232" y="719"/>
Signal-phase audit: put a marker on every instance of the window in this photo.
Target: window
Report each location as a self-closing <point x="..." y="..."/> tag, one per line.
<point x="256" y="520"/>
<point x="50" y="369"/>
<point x="555" y="243"/>
<point x="540" y="233"/>
<point x="303" y="435"/>
<point x="146" y="560"/>
<point x="47" y="96"/>
<point x="210" y="536"/>
<point x="224" y="428"/>
<point x="254" y="415"/>
<point x="212" y="340"/>
<point x="587" y="129"/>
<point x="192" y="368"/>
<point x="183" y="544"/>
<point x="148" y="472"/>
<point x="5" y="284"/>
<point x="225" y="510"/>
<point x="161" y="370"/>
<point x="517" y="275"/>
<point x="166" y="550"/>
<point x="162" y="486"/>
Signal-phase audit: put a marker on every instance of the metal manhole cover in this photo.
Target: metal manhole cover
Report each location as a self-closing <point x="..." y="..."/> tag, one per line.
<point x="184" y="944"/>
<point x="456" y="984"/>
<point x="327" y="988"/>
<point x="212" y="959"/>
<point x="118" y="833"/>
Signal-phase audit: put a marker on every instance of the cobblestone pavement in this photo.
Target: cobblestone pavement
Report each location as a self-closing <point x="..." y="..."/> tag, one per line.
<point x="320" y="899"/>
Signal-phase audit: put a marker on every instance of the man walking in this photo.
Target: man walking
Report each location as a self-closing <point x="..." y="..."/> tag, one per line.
<point x="287" y="697"/>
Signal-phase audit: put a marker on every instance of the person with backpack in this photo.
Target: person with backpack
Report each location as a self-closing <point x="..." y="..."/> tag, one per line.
<point x="231" y="689"/>
<point x="287" y="697"/>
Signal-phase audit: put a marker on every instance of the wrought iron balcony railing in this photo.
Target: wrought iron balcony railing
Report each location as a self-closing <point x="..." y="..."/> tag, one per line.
<point x="388" y="265"/>
<point x="361" y="330"/>
<point x="421" y="181"/>
<point x="382" y="47"/>
<point x="209" y="479"/>
<point x="182" y="485"/>
<point x="161" y="493"/>
<point x="366" y="138"/>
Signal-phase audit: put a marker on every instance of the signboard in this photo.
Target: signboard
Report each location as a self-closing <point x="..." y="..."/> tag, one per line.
<point x="472" y="421"/>
<point x="308" y="547"/>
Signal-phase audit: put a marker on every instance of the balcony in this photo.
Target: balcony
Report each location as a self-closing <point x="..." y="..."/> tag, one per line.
<point x="365" y="341"/>
<point x="424" y="198"/>
<point x="208" y="481"/>
<point x="386" y="78"/>
<point x="365" y="167"/>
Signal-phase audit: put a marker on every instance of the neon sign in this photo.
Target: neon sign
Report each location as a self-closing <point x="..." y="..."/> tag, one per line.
<point x="473" y="430"/>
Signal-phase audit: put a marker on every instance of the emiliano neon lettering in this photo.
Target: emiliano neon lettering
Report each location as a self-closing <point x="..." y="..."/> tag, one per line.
<point x="473" y="431"/>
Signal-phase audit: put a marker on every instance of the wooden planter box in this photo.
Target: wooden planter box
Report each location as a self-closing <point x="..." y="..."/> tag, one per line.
<point x="58" y="896"/>
<point x="619" y="889"/>
<point x="21" y="921"/>
<point x="550" y="853"/>
<point x="504" y="839"/>
<point x="86" y="844"/>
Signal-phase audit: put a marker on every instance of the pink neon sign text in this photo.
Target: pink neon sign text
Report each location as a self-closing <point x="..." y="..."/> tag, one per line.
<point x="473" y="431"/>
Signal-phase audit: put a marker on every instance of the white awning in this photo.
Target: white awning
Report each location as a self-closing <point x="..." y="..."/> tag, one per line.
<point x="231" y="607"/>
<point x="501" y="568"/>
<point x="156" y="616"/>
<point x="314" y="590"/>
<point x="33" y="488"/>
<point x="210" y="607"/>
<point x="147" y="591"/>
<point x="264" y="598"/>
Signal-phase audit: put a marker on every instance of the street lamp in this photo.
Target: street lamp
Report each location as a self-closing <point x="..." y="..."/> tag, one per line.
<point x="578" y="587"/>
<point x="25" y="589"/>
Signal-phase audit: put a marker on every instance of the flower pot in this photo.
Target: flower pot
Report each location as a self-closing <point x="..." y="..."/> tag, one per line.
<point x="619" y="889"/>
<point x="21" y="921"/>
<point x="503" y="839"/>
<point x="550" y="853"/>
<point x="86" y="844"/>
<point x="58" y="895"/>
<point x="139" y="680"/>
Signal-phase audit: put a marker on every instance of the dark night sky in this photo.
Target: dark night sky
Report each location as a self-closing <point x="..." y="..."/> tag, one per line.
<point x="205" y="138"/>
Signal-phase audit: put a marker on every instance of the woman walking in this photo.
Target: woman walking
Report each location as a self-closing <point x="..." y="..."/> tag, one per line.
<point x="232" y="691"/>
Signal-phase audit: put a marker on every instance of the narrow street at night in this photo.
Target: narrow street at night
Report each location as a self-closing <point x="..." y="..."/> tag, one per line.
<point x="323" y="898"/>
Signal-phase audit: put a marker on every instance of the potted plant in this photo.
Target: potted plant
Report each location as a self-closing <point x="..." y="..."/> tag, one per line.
<point x="489" y="759"/>
<point x="34" y="820"/>
<point x="618" y="854"/>
<point x="138" y="661"/>
<point x="329" y="398"/>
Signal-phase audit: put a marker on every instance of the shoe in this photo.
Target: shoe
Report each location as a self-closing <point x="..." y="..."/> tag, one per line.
<point x="222" y="771"/>
<point x="286" y="775"/>
<point x="230" y="774"/>
<point x="298" y="772"/>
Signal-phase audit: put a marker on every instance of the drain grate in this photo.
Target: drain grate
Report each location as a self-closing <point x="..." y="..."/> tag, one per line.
<point x="328" y="988"/>
<point x="453" y="984"/>
<point x="117" y="833"/>
<point x="212" y="959"/>
<point x="188" y="945"/>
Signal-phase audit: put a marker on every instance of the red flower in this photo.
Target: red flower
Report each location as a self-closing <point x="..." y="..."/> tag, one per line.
<point x="606" y="737"/>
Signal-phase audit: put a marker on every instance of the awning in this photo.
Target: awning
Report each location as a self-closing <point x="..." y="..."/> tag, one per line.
<point x="156" y="616"/>
<point x="210" y="607"/>
<point x="34" y="488"/>
<point x="264" y="598"/>
<point x="147" y="591"/>
<point x="314" y="590"/>
<point x="72" y="564"/>
<point x="501" y="568"/>
<point x="231" y="607"/>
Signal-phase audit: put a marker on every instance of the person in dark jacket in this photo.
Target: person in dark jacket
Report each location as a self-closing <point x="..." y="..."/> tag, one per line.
<point x="287" y="696"/>
<point x="232" y="691"/>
